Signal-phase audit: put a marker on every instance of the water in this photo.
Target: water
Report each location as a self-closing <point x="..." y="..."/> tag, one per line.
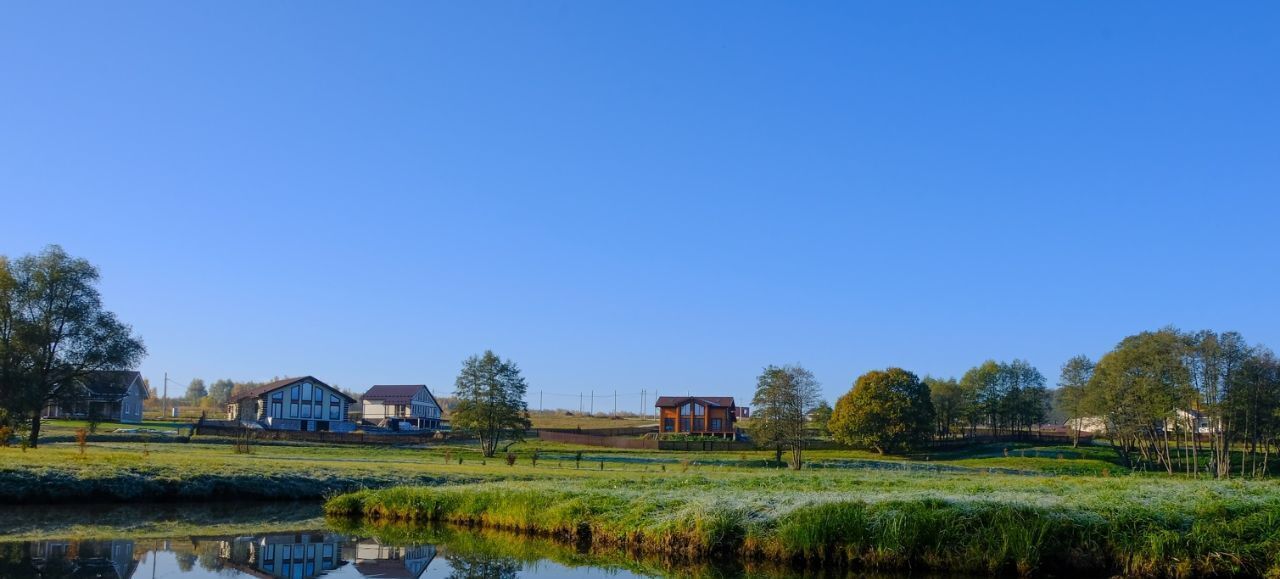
<point x="293" y="540"/>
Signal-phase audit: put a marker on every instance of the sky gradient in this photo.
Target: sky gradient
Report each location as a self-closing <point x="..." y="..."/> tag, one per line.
<point x="647" y="196"/>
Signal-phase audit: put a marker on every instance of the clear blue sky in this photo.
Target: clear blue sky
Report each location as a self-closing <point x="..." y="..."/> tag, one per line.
<point x="660" y="196"/>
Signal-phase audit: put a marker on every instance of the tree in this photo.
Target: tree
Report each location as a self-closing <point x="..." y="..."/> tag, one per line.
<point x="983" y="384"/>
<point x="948" y="403"/>
<point x="1075" y="377"/>
<point x="196" y="391"/>
<point x="220" y="391"/>
<point x="1136" y="388"/>
<point x="780" y="409"/>
<point x="887" y="410"/>
<point x="55" y="333"/>
<point x="490" y="393"/>
<point x="820" y="418"/>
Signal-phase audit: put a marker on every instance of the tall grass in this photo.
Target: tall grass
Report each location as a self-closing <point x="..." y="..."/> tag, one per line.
<point x="1221" y="530"/>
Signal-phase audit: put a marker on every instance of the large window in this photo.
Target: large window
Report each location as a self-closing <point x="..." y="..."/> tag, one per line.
<point x="668" y="424"/>
<point x="306" y="391"/>
<point x="699" y="410"/>
<point x="293" y="409"/>
<point x="715" y="424"/>
<point x="306" y="409"/>
<point x="684" y="424"/>
<point x="335" y="408"/>
<point x="295" y="393"/>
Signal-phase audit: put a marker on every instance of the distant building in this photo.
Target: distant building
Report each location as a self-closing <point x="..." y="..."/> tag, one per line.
<point x="411" y="406"/>
<point x="288" y="556"/>
<point x="697" y="415"/>
<point x="104" y="559"/>
<point x="293" y="404"/>
<point x="374" y="559"/>
<point x="109" y="396"/>
<point x="1090" y="424"/>
<point x="1190" y="420"/>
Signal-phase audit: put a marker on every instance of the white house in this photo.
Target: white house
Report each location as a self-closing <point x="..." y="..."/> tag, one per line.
<point x="293" y="404"/>
<point x="398" y="406"/>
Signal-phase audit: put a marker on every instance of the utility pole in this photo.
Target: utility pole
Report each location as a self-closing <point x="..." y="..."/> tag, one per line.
<point x="615" y="403"/>
<point x="642" y="401"/>
<point x="593" y="402"/>
<point x="539" y="401"/>
<point x="164" y="400"/>
<point x="579" y="404"/>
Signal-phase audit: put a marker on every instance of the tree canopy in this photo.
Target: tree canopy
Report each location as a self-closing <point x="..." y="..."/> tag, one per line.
<point x="887" y="410"/>
<point x="54" y="333"/>
<point x="784" y="397"/>
<point x="490" y="394"/>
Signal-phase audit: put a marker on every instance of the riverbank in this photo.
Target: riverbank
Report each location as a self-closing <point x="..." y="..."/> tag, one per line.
<point x="987" y="524"/>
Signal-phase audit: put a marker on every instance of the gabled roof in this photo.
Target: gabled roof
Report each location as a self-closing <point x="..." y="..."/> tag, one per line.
<point x="397" y="393"/>
<point x="713" y="401"/>
<point x="278" y="384"/>
<point x="112" y="384"/>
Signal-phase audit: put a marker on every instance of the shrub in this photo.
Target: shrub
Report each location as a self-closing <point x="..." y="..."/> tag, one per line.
<point x="6" y="432"/>
<point x="511" y="459"/>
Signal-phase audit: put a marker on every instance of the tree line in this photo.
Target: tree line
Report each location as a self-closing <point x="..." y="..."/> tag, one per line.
<point x="1205" y="403"/>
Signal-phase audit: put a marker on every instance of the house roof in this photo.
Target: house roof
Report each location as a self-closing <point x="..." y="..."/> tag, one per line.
<point x="112" y="383"/>
<point x="396" y="393"/>
<point x="715" y="401"/>
<point x="278" y="384"/>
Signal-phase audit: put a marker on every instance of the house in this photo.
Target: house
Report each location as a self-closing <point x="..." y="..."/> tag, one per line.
<point x="293" y="404"/>
<point x="697" y="415"/>
<point x="291" y="556"/>
<point x="107" y="559"/>
<point x="373" y="559"/>
<point x="1190" y="419"/>
<point x="1090" y="424"/>
<point x="411" y="406"/>
<point x="109" y="396"/>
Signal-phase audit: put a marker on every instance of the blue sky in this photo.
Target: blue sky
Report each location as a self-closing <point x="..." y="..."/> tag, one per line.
<point x="658" y="196"/>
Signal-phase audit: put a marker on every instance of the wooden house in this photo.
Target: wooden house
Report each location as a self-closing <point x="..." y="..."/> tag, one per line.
<point x="400" y="406"/>
<point x="109" y="396"/>
<point x="697" y="415"/>
<point x="293" y="404"/>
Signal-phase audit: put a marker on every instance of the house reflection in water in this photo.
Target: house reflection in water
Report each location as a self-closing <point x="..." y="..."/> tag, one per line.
<point x="108" y="559"/>
<point x="377" y="560"/>
<point x="307" y="555"/>
<point x="292" y="556"/>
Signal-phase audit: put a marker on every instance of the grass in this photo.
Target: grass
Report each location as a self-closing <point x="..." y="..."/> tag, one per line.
<point x="880" y="520"/>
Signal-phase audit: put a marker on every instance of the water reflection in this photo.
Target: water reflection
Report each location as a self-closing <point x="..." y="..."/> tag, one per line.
<point x="299" y="555"/>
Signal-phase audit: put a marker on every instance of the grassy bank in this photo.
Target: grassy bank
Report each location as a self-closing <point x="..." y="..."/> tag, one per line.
<point x="882" y="520"/>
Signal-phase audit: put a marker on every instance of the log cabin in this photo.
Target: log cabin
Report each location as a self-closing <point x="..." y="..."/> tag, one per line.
<point x="697" y="415"/>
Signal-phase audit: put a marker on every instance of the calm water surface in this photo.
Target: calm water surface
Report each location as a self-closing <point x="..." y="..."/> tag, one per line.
<point x="266" y="540"/>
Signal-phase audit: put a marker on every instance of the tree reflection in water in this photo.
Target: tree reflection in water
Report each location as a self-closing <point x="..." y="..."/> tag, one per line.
<point x="476" y="566"/>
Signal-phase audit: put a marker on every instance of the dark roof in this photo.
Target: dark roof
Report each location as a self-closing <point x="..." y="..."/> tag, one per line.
<point x="111" y="383"/>
<point x="278" y="384"/>
<point x="396" y="394"/>
<point x="669" y="401"/>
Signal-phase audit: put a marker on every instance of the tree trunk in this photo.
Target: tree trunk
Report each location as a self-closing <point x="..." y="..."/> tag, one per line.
<point x="34" y="439"/>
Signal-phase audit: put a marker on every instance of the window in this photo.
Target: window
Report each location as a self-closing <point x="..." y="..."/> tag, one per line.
<point x="668" y="424"/>
<point x="306" y="410"/>
<point x="277" y="409"/>
<point x="699" y="410"/>
<point x="335" y="408"/>
<point x="715" y="424"/>
<point x="697" y="424"/>
<point x="306" y="391"/>
<point x="686" y="409"/>
<point x="295" y="393"/>
<point x="684" y="424"/>
<point x="293" y="409"/>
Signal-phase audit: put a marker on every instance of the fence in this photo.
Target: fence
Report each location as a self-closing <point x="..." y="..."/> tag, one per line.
<point x="626" y="431"/>
<point x="209" y="429"/>
<point x="592" y="440"/>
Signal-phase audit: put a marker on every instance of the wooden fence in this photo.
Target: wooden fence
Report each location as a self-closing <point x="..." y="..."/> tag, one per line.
<point x="632" y="442"/>
<point x="208" y="429"/>
<point x="625" y="431"/>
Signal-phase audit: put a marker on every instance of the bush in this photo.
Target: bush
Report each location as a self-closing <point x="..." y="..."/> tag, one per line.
<point x="511" y="459"/>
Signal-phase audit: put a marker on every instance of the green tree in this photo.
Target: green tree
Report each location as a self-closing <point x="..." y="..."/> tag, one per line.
<point x="820" y="418"/>
<point x="948" y="403"/>
<point x="1136" y="388"/>
<point x="220" y="391"/>
<point x="1075" y="377"/>
<point x="983" y="384"/>
<point x="490" y="394"/>
<point x="886" y="410"/>
<point x="56" y="333"/>
<point x="195" y="391"/>
<point x="780" y="408"/>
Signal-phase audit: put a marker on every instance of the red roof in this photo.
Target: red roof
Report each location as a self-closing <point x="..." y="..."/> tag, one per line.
<point x="714" y="401"/>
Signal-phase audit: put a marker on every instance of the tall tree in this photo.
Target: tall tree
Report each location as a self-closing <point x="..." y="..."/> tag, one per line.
<point x="1137" y="389"/>
<point x="58" y="333"/>
<point x="220" y="391"/>
<point x="948" y="403"/>
<point x="886" y="410"/>
<point x="1075" y="377"/>
<point x="820" y="418"/>
<point x="490" y="393"/>
<point x="780" y="408"/>
<point x="195" y="391"/>
<point x="984" y="383"/>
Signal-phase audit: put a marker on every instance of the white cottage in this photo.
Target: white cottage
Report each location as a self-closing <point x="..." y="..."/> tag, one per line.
<point x="293" y="404"/>
<point x="401" y="405"/>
